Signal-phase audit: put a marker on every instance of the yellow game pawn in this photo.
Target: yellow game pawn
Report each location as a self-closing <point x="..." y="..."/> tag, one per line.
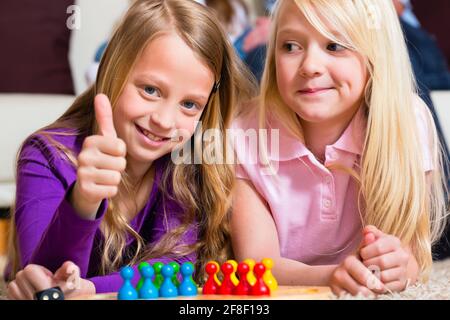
<point x="233" y="277"/>
<point x="250" y="275"/>
<point x="268" y="277"/>
<point x="216" y="279"/>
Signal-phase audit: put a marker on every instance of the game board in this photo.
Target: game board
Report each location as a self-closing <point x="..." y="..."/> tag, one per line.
<point x="282" y="293"/>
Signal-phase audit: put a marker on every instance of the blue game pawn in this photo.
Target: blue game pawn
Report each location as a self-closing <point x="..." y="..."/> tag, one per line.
<point x="127" y="291"/>
<point x="168" y="289"/>
<point x="187" y="286"/>
<point x="148" y="289"/>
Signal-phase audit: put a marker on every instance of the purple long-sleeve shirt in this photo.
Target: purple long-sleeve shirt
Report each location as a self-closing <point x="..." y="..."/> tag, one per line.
<point x="50" y="232"/>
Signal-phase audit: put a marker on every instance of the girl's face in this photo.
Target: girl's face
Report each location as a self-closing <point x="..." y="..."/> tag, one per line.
<point x="163" y="98"/>
<point x="321" y="81"/>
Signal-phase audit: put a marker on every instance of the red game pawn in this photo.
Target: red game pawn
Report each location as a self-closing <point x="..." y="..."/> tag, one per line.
<point x="243" y="288"/>
<point x="259" y="288"/>
<point x="227" y="286"/>
<point x="210" y="286"/>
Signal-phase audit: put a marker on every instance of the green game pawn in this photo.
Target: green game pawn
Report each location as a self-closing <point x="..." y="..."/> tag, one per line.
<point x="141" y="281"/>
<point x="176" y="269"/>
<point x="159" y="278"/>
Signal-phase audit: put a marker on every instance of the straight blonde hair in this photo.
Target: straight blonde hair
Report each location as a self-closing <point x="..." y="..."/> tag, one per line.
<point x="395" y="194"/>
<point x="203" y="190"/>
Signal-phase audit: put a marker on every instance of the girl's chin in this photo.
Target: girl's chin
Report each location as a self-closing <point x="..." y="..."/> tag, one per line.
<point x="313" y="116"/>
<point x="147" y="156"/>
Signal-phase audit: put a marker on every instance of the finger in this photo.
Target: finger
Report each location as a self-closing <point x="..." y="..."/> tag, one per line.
<point x="108" y="162"/>
<point x="380" y="247"/>
<point x="66" y="269"/>
<point x="338" y="291"/>
<point x="392" y="275"/>
<point x="101" y="177"/>
<point x="31" y="267"/>
<point x="104" y="192"/>
<point x="369" y="238"/>
<point x="386" y="261"/>
<point x="24" y="285"/>
<point x="68" y="276"/>
<point x="396" y="286"/>
<point x="372" y="229"/>
<point x="349" y="284"/>
<point x="363" y="276"/>
<point x="13" y="292"/>
<point x="108" y="145"/>
<point x="113" y="147"/>
<point x="38" y="277"/>
<point x="103" y="115"/>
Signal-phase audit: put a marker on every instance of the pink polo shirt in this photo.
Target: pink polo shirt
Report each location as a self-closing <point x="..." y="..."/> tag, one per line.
<point x="315" y="210"/>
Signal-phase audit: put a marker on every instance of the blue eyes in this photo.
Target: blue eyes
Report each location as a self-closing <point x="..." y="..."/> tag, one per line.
<point x="154" y="92"/>
<point x="189" y="105"/>
<point x="150" y="90"/>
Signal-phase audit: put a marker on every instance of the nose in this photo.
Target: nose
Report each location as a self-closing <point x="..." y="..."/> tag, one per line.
<point x="312" y="64"/>
<point x="164" y="117"/>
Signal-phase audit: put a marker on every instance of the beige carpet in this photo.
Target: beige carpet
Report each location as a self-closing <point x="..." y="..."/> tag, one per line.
<point x="437" y="288"/>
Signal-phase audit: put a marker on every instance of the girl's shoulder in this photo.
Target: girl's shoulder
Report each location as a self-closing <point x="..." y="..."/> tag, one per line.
<point x="425" y="130"/>
<point x="54" y="138"/>
<point x="51" y="145"/>
<point x="424" y="119"/>
<point x="421" y="110"/>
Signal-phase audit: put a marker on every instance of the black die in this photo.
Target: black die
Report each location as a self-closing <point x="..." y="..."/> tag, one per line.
<point x="50" y="294"/>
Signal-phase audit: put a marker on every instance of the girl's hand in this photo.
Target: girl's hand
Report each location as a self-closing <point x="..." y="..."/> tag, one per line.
<point x="34" y="278"/>
<point x="385" y="253"/>
<point x="100" y="164"/>
<point x="353" y="277"/>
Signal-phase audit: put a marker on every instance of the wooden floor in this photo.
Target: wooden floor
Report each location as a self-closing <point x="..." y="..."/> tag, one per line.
<point x="4" y="227"/>
<point x="283" y="293"/>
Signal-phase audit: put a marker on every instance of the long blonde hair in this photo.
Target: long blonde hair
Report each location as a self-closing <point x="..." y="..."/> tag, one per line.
<point x="203" y="190"/>
<point x="395" y="193"/>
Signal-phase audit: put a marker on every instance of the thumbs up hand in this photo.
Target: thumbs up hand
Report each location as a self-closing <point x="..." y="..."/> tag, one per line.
<point x="100" y="163"/>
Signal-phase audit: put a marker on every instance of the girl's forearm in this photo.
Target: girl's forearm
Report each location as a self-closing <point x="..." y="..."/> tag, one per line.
<point x="291" y="272"/>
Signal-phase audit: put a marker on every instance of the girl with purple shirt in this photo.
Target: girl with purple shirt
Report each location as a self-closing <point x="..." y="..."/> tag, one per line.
<point x="97" y="189"/>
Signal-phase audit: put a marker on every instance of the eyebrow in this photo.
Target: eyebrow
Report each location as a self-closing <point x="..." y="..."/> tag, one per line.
<point x="165" y="84"/>
<point x="152" y="78"/>
<point x="290" y="30"/>
<point x="198" y="97"/>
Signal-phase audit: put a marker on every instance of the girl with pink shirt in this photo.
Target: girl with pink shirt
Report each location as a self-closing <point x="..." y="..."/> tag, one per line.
<point x="347" y="189"/>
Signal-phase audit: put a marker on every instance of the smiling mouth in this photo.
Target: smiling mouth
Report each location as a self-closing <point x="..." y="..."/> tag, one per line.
<point x="150" y="135"/>
<point x="314" y="90"/>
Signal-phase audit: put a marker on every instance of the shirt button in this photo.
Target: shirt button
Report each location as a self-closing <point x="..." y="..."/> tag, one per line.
<point x="327" y="203"/>
<point x="328" y="180"/>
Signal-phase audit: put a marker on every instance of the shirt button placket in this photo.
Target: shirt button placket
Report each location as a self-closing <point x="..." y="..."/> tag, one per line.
<point x="328" y="196"/>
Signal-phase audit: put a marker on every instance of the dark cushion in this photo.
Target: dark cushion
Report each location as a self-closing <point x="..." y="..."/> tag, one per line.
<point x="34" y="42"/>
<point x="434" y="15"/>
